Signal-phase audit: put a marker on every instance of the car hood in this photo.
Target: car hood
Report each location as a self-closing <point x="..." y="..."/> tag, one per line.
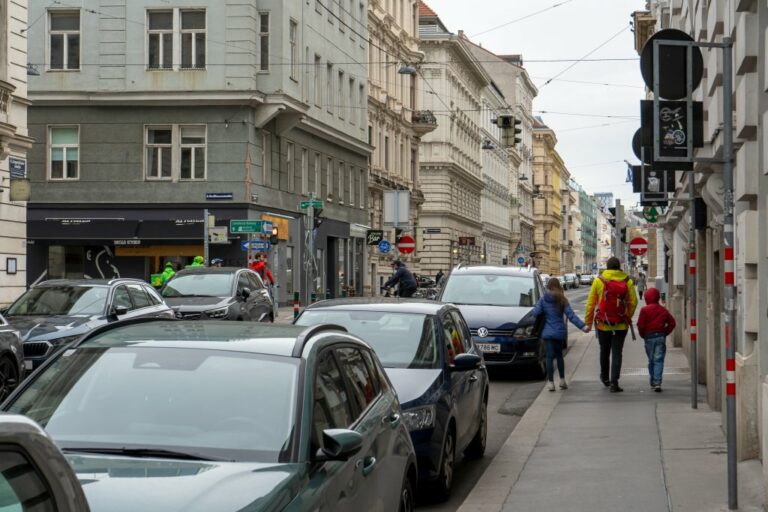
<point x="196" y="303"/>
<point x="414" y="384"/>
<point x="495" y="317"/>
<point x="40" y="328"/>
<point x="127" y="484"/>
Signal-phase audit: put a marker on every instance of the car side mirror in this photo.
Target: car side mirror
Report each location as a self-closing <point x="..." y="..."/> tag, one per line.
<point x="245" y="293"/>
<point x="119" y="310"/>
<point x="339" y="444"/>
<point x="465" y="362"/>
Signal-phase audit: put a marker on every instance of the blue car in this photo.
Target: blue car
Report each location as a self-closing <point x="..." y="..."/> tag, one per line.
<point x="438" y="373"/>
<point x="497" y="303"/>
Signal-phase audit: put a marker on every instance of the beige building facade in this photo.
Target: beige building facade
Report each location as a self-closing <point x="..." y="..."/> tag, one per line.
<point x="14" y="143"/>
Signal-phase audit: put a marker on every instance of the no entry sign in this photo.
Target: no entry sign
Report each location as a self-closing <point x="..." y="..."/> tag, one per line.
<point x="638" y="246"/>
<point x="406" y="244"/>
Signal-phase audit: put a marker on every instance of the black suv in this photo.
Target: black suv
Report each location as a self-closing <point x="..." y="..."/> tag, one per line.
<point x="497" y="303"/>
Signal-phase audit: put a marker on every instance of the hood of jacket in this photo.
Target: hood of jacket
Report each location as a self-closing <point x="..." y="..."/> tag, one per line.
<point x="198" y="260"/>
<point x="652" y="296"/>
<point x="614" y="275"/>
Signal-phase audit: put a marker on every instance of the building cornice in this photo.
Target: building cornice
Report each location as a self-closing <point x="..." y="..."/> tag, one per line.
<point x="58" y="98"/>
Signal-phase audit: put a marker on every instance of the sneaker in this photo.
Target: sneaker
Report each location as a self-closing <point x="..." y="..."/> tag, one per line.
<point x="563" y="384"/>
<point x="605" y="382"/>
<point x="616" y="389"/>
<point x="657" y="389"/>
<point x="551" y="385"/>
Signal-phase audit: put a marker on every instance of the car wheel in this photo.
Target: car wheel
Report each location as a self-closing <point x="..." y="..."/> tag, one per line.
<point x="476" y="447"/>
<point x="442" y="487"/>
<point x="406" y="496"/>
<point x="9" y="377"/>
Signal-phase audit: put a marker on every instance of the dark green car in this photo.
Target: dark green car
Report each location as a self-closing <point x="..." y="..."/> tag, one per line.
<point x="225" y="416"/>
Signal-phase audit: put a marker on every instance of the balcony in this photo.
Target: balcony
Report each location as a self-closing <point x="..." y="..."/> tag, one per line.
<point x="423" y="121"/>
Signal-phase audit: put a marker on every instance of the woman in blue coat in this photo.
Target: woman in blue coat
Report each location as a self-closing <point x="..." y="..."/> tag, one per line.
<point x="555" y="307"/>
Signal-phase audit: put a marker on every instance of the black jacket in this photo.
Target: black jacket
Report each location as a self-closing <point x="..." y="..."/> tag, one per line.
<point x="404" y="277"/>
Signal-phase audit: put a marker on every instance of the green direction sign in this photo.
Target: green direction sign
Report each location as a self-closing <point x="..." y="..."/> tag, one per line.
<point x="245" y="226"/>
<point x="315" y="203"/>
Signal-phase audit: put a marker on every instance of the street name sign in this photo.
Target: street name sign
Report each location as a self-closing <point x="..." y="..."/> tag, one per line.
<point x="316" y="203"/>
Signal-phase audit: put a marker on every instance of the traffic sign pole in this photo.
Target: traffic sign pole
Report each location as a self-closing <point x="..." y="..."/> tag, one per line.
<point x="692" y="293"/>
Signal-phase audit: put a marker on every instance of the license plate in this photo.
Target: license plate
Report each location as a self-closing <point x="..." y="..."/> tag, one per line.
<point x="28" y="365"/>
<point x="489" y="347"/>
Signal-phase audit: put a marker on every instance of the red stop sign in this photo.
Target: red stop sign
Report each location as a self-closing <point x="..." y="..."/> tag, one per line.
<point x="638" y="246"/>
<point x="406" y="244"/>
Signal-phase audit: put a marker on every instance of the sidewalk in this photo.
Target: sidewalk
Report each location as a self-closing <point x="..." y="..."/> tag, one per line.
<point x="586" y="449"/>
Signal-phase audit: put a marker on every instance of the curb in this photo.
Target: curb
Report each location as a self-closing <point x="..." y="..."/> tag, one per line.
<point x="499" y="478"/>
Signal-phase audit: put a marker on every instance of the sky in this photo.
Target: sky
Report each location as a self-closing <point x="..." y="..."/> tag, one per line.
<point x="593" y="147"/>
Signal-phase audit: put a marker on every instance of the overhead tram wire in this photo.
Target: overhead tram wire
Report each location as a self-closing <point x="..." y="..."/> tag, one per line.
<point x="522" y="18"/>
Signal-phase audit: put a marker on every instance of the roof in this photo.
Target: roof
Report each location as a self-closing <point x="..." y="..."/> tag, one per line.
<point x="248" y="337"/>
<point x="493" y="269"/>
<point x="426" y="11"/>
<point x="538" y="122"/>
<point x="384" y="304"/>
<point x="210" y="270"/>
<point x="89" y="282"/>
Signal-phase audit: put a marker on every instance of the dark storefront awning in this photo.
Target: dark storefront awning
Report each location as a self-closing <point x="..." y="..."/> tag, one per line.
<point x="170" y="229"/>
<point x="82" y="229"/>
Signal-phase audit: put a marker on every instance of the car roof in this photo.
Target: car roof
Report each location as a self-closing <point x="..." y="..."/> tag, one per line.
<point x="493" y="270"/>
<point x="211" y="270"/>
<point x="249" y="337"/>
<point x="89" y="282"/>
<point x="384" y="304"/>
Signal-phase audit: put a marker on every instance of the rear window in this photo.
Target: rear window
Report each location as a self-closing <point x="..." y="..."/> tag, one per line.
<point x="489" y="290"/>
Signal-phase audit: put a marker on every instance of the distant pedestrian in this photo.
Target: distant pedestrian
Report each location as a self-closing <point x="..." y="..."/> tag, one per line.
<point x="216" y="262"/>
<point x="260" y="267"/>
<point x="198" y="262"/>
<point x="610" y="305"/>
<point x="167" y="274"/>
<point x="555" y="308"/>
<point x="641" y="285"/>
<point x="439" y="277"/>
<point x="403" y="278"/>
<point x="654" y="324"/>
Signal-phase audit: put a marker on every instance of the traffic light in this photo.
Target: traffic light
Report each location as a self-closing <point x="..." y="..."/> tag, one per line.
<point x="612" y="219"/>
<point x="273" y="238"/>
<point x="516" y="123"/>
<point x="317" y="218"/>
<point x="398" y="234"/>
<point x="624" y="235"/>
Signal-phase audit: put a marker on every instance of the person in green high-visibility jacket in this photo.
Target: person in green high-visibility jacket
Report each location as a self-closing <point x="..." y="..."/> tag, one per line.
<point x="199" y="261"/>
<point x="167" y="274"/>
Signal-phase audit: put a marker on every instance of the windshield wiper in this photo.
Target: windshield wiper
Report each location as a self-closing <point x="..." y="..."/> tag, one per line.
<point x="146" y="452"/>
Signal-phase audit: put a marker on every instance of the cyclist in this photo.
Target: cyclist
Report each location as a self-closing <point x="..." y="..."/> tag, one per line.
<point x="403" y="278"/>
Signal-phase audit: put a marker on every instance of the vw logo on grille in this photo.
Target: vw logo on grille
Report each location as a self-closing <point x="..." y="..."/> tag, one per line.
<point x="482" y="332"/>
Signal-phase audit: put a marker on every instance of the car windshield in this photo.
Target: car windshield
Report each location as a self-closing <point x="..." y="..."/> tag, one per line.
<point x="199" y="285"/>
<point x="214" y="404"/>
<point x="400" y="340"/>
<point x="61" y="300"/>
<point x="489" y="290"/>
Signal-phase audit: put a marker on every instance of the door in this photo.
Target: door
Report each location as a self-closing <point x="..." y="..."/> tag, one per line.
<point x="460" y="383"/>
<point x="262" y="303"/>
<point x="472" y="401"/>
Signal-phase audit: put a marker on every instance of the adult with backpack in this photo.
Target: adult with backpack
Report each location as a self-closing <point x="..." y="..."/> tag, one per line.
<point x="611" y="303"/>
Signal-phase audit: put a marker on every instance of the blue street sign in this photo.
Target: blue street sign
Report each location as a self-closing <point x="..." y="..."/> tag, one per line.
<point x="385" y="246"/>
<point x="17" y="167"/>
<point x="256" y="245"/>
<point x="520" y="260"/>
<point x="594" y="266"/>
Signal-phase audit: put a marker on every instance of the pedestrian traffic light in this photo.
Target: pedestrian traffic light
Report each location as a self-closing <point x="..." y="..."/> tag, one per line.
<point x="274" y="238"/>
<point x="612" y="218"/>
<point x="517" y="130"/>
<point x="398" y="234"/>
<point x="317" y="218"/>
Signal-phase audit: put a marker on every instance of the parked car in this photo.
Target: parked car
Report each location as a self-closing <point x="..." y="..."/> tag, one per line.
<point x="544" y="278"/>
<point x="562" y="281"/>
<point x="219" y="293"/>
<point x="11" y="359"/>
<point x="226" y="416"/>
<point x="54" y="313"/>
<point x="497" y="303"/>
<point x="428" y="354"/>
<point x="34" y="475"/>
<point x="571" y="281"/>
<point x="586" y="279"/>
<point x="424" y="281"/>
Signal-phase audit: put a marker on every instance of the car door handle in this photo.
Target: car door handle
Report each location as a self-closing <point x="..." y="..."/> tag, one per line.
<point x="393" y="420"/>
<point x="368" y="465"/>
<point x="473" y="378"/>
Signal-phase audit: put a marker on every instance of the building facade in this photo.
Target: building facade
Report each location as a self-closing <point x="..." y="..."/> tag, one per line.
<point x="395" y="124"/>
<point x="14" y="144"/>
<point x="588" y="233"/>
<point x="604" y="237"/>
<point x="450" y="156"/>
<point x="145" y="117"/>
<point x="548" y="173"/>
<point x="573" y="228"/>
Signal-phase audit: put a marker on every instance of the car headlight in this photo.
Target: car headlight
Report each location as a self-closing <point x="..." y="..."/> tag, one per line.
<point x="218" y="313"/>
<point x="523" y="332"/>
<point x="419" y="418"/>
<point x="60" y="342"/>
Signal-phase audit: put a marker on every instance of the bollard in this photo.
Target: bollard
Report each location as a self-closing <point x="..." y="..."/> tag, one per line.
<point x="295" y="305"/>
<point x="313" y="297"/>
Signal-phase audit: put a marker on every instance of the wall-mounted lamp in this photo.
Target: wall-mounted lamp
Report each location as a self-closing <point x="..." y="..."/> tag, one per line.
<point x="32" y="70"/>
<point x="488" y="145"/>
<point x="407" y="69"/>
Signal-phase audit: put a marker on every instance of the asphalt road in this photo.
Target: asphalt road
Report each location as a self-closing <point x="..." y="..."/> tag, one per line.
<point x="511" y="393"/>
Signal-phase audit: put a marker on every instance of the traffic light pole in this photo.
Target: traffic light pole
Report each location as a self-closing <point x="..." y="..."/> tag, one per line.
<point x="692" y="293"/>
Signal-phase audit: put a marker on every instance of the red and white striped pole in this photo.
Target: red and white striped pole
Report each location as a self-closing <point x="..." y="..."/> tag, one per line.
<point x="692" y="294"/>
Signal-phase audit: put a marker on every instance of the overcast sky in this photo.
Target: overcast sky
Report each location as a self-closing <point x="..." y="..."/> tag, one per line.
<point x="593" y="153"/>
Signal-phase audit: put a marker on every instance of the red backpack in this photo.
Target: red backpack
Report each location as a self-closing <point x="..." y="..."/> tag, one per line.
<point x="612" y="308"/>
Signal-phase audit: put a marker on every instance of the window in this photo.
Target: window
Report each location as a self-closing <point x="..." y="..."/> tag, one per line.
<point x="340" y="94"/>
<point x="329" y="86"/>
<point x="329" y="178"/>
<point x="363" y="388"/>
<point x="318" y="179"/>
<point x="352" y="102"/>
<point x="341" y="183"/>
<point x="159" y="152"/>
<point x="386" y="153"/>
<point x="331" y="408"/>
<point x="363" y="106"/>
<point x="317" y="78"/>
<point x="193" y="152"/>
<point x="138" y="296"/>
<point x="292" y="34"/>
<point x="242" y="283"/>
<point x="193" y="39"/>
<point x="351" y="186"/>
<point x="304" y="172"/>
<point x="21" y="484"/>
<point x="264" y="41"/>
<point x="121" y="299"/>
<point x="464" y="333"/>
<point x="452" y="338"/>
<point x="289" y="166"/>
<point x="64" y="37"/>
<point x="160" y="39"/>
<point x="64" y="159"/>
<point x="266" y="159"/>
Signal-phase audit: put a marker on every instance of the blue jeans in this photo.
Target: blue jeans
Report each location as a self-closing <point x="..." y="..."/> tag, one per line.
<point x="656" y="349"/>
<point x="554" y="352"/>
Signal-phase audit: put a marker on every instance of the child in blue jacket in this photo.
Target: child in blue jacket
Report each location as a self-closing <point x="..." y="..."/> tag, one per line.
<point x="555" y="307"/>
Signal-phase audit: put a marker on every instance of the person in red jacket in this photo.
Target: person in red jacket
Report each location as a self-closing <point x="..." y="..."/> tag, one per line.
<point x="259" y="265"/>
<point x="654" y="325"/>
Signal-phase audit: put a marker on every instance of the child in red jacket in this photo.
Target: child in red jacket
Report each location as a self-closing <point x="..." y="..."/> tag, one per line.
<point x="654" y="325"/>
